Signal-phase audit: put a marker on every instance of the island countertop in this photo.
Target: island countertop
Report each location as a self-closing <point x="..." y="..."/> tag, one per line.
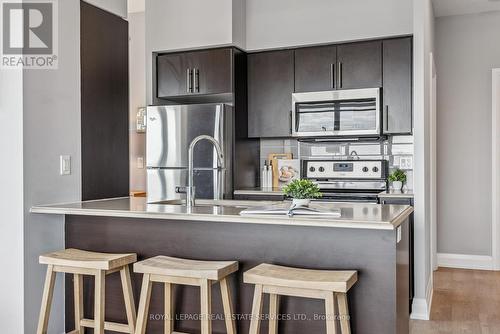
<point x="353" y="215"/>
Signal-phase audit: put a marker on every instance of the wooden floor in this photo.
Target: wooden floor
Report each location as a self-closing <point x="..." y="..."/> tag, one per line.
<point x="465" y="301"/>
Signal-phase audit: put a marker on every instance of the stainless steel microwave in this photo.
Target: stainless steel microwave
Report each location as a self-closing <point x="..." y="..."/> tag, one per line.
<point x="338" y="113"/>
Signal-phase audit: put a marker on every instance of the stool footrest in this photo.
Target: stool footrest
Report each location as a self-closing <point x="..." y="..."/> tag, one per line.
<point x="109" y="326"/>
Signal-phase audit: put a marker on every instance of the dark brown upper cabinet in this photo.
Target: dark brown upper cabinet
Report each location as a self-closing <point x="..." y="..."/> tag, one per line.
<point x="270" y="88"/>
<point x="316" y="69"/>
<point x="194" y="73"/>
<point x="359" y="65"/>
<point x="397" y="90"/>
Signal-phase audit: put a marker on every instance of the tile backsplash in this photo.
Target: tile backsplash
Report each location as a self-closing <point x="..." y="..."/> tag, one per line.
<point x="398" y="150"/>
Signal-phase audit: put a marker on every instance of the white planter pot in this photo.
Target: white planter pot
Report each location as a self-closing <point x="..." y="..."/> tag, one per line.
<point x="397" y="185"/>
<point x="301" y="202"/>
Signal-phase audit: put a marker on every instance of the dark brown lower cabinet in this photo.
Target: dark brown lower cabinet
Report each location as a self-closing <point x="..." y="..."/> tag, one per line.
<point x="104" y="104"/>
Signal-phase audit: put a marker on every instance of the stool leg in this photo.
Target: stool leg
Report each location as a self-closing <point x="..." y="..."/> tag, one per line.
<point x="206" y="306"/>
<point x="99" y="302"/>
<point x="228" y="306"/>
<point x="169" y="320"/>
<point x="344" y="313"/>
<point x="48" y="292"/>
<point x="78" y="301"/>
<point x="142" y="316"/>
<point x="331" y="326"/>
<point x="128" y="296"/>
<point x="256" y="310"/>
<point x="273" y="313"/>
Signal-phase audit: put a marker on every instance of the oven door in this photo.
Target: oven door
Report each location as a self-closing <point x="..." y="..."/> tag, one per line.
<point x="346" y="113"/>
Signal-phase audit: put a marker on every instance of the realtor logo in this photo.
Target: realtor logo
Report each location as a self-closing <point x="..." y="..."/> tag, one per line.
<point x="29" y="34"/>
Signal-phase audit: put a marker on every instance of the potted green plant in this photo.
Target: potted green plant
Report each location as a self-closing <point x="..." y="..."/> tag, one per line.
<point x="302" y="191"/>
<point x="398" y="178"/>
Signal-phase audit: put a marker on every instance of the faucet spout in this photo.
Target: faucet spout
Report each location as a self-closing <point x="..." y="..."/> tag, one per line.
<point x="191" y="191"/>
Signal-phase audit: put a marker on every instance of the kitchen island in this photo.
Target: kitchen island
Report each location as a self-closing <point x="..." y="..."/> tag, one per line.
<point x="372" y="239"/>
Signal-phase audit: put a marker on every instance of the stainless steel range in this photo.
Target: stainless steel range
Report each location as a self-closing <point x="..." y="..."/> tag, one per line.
<point x="348" y="180"/>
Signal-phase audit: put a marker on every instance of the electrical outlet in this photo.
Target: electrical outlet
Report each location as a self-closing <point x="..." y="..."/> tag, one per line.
<point x="140" y="162"/>
<point x="406" y="163"/>
<point x="65" y="165"/>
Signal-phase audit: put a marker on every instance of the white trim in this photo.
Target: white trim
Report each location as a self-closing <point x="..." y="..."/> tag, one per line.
<point x="495" y="132"/>
<point x="433" y="161"/>
<point x="421" y="307"/>
<point x="464" y="261"/>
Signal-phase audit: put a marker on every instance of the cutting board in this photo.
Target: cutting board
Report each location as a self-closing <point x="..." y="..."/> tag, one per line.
<point x="273" y="159"/>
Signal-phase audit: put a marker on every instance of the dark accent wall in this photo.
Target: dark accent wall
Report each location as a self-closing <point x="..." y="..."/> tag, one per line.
<point x="104" y="104"/>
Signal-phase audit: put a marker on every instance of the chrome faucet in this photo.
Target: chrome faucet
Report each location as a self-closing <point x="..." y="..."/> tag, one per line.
<point x="190" y="190"/>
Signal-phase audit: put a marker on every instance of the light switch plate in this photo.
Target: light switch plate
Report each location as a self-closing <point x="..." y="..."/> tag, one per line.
<point x="65" y="165"/>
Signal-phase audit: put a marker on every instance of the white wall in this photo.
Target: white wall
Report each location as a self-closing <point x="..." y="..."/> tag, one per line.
<point x="423" y="46"/>
<point x="51" y="128"/>
<point x="137" y="75"/>
<point x="11" y="202"/>
<point x="467" y="50"/>
<point x="117" y="7"/>
<point x="281" y="23"/>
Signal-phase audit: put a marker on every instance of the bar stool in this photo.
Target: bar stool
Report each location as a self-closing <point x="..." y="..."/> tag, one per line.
<point x="79" y="263"/>
<point x="318" y="284"/>
<point x="169" y="270"/>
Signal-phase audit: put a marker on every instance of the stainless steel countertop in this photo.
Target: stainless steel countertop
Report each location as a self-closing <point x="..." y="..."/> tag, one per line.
<point x="260" y="191"/>
<point x="354" y="215"/>
<point x="396" y="194"/>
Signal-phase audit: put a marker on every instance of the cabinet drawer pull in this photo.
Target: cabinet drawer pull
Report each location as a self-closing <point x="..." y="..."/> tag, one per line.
<point x="340" y="74"/>
<point x="196" y="80"/>
<point x="332" y="75"/>
<point x="189" y="80"/>
<point x="386" y="118"/>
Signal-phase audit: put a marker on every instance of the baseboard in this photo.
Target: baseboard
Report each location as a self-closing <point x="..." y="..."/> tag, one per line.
<point x="421" y="307"/>
<point x="464" y="261"/>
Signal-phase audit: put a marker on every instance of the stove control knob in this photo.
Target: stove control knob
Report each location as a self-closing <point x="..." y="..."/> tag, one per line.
<point x="365" y="169"/>
<point x="322" y="169"/>
<point x="375" y="169"/>
<point x="312" y="169"/>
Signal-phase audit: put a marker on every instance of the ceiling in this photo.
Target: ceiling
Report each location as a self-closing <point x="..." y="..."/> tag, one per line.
<point x="460" y="7"/>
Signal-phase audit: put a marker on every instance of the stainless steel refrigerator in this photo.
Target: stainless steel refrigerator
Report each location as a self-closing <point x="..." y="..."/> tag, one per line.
<point x="170" y="130"/>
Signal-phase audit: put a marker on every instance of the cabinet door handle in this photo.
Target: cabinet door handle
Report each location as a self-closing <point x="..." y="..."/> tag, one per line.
<point x="340" y="74"/>
<point x="332" y="75"/>
<point x="189" y="80"/>
<point x="386" y="118"/>
<point x="196" y="80"/>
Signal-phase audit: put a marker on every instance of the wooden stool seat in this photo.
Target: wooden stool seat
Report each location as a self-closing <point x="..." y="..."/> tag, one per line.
<point x="79" y="263"/>
<point x="89" y="260"/>
<point x="171" y="266"/>
<point x="328" y="285"/>
<point x="269" y="274"/>
<point x="203" y="274"/>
